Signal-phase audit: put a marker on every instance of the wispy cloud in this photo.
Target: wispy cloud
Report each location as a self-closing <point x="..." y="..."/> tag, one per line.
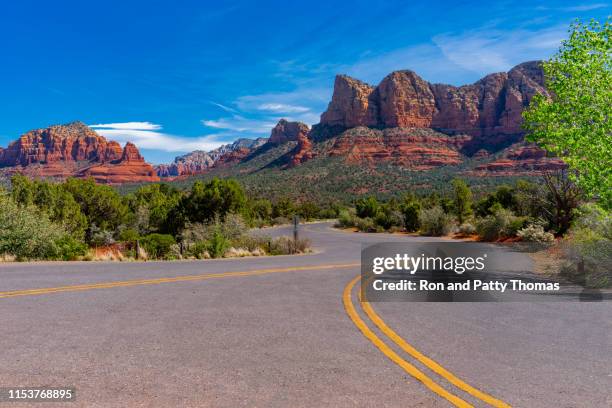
<point x="282" y="108"/>
<point x="587" y="7"/>
<point x="580" y="7"/>
<point x="224" y="107"/>
<point x="241" y="124"/>
<point x="148" y="135"/>
<point x="498" y="50"/>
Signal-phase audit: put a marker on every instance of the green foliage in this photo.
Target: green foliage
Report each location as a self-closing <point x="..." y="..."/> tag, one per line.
<point x="216" y="198"/>
<point x="69" y="248"/>
<point x="158" y="246"/>
<point x="27" y="233"/>
<point x="218" y="244"/>
<point x="589" y="247"/>
<point x="462" y="200"/>
<point x="308" y="211"/>
<point x="501" y="224"/>
<point x="102" y="205"/>
<point x="367" y="207"/>
<point x="410" y="212"/>
<point x="262" y="209"/>
<point x="151" y="206"/>
<point x="129" y="235"/>
<point x="283" y="208"/>
<point x="435" y="222"/>
<point x="574" y="122"/>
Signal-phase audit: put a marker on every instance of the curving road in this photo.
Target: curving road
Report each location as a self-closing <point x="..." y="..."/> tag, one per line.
<point x="288" y="331"/>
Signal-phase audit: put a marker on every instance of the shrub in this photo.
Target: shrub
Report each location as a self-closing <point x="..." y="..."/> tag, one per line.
<point x="27" y="233"/>
<point x="280" y="221"/>
<point x="365" y="225"/>
<point x="218" y="244"/>
<point x="435" y="222"/>
<point x="535" y="233"/>
<point x="501" y="224"/>
<point x="285" y="246"/>
<point x="346" y="219"/>
<point x="252" y="242"/>
<point x="410" y="213"/>
<point x="388" y="218"/>
<point x="467" y="229"/>
<point x="367" y="207"/>
<point x="69" y="249"/>
<point x="199" y="250"/>
<point x="129" y="235"/>
<point x="158" y="245"/>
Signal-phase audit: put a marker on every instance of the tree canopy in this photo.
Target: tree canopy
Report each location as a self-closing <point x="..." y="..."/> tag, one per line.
<point x="574" y="122"/>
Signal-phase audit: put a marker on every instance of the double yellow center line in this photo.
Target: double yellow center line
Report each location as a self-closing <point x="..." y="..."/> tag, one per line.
<point x="408" y="367"/>
<point x="187" y="278"/>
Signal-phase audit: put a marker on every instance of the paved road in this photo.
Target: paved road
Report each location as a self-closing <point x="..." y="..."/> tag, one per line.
<point x="275" y="332"/>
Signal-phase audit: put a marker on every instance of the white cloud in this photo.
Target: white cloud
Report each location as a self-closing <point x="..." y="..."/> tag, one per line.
<point x="146" y="135"/>
<point x="498" y="50"/>
<point x="282" y="108"/>
<point x="128" y="125"/>
<point x="241" y="124"/>
<point x="586" y="7"/>
<point x="224" y="107"/>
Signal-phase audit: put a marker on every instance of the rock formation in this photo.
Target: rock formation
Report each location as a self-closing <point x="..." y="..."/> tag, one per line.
<point x="75" y="150"/>
<point x="488" y="108"/>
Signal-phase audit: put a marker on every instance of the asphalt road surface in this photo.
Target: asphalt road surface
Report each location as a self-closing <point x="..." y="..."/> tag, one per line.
<point x="288" y="331"/>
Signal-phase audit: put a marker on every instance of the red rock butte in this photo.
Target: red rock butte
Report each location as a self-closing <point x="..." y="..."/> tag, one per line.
<point x="75" y="150"/>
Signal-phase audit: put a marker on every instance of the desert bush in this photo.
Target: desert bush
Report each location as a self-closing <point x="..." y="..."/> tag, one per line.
<point x="70" y="249"/>
<point x="218" y="244"/>
<point x="346" y="219"/>
<point x="588" y="248"/>
<point x="367" y="207"/>
<point x="410" y="213"/>
<point x="501" y="224"/>
<point x="280" y="221"/>
<point x="535" y="233"/>
<point x="467" y="229"/>
<point x="252" y="242"/>
<point x="27" y="233"/>
<point x="285" y="246"/>
<point x="435" y="222"/>
<point x="388" y="218"/>
<point x="159" y="246"/>
<point x="365" y="224"/>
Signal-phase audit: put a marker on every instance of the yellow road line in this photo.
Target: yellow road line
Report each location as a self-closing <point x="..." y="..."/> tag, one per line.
<point x="393" y="356"/>
<point x="106" y="285"/>
<point x="428" y="362"/>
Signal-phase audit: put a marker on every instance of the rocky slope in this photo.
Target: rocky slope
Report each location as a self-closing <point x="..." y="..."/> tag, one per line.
<point x="199" y="161"/>
<point x="74" y="150"/>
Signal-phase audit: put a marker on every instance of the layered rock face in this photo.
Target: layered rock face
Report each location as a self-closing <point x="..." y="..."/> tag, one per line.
<point x="72" y="142"/>
<point x="521" y="159"/>
<point x="285" y="131"/>
<point x="78" y="151"/>
<point x="490" y="107"/>
<point x="418" y="149"/>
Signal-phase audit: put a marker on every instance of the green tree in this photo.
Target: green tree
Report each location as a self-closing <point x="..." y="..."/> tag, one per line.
<point x="367" y="207"/>
<point x="216" y="198"/>
<point x="411" y="211"/>
<point x="574" y="122"/>
<point x="462" y="200"/>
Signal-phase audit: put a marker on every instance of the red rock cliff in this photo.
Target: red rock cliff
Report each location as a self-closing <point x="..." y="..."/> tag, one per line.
<point x="75" y="150"/>
<point x="492" y="106"/>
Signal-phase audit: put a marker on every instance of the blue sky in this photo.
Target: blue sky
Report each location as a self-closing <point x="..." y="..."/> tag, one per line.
<point x="184" y="75"/>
